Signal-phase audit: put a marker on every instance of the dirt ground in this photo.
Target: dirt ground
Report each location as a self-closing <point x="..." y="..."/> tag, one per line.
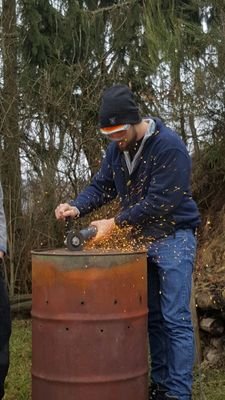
<point x="210" y="265"/>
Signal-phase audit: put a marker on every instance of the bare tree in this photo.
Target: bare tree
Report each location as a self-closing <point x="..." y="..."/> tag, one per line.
<point x="9" y="130"/>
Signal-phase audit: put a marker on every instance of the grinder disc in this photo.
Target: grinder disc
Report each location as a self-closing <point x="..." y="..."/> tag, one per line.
<point x="74" y="241"/>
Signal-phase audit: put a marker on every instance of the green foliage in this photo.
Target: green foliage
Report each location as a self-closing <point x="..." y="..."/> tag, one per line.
<point x="50" y="35"/>
<point x="172" y="27"/>
<point x="40" y="22"/>
<point x="209" y="175"/>
<point x="18" y="382"/>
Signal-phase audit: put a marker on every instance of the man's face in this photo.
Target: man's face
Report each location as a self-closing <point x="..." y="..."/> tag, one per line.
<point x="129" y="139"/>
<point x="125" y="136"/>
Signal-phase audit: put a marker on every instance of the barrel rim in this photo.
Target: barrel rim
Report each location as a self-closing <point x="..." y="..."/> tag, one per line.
<point x="93" y="252"/>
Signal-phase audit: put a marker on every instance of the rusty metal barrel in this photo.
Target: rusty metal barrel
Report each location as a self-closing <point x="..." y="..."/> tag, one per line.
<point x="89" y="325"/>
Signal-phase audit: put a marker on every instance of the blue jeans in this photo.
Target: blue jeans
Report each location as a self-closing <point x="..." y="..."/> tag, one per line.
<point x="171" y="337"/>
<point x="5" y="331"/>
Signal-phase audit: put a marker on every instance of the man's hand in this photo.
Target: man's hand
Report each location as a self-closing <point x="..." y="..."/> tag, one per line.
<point x="65" y="210"/>
<point x="104" y="228"/>
<point x="1" y="254"/>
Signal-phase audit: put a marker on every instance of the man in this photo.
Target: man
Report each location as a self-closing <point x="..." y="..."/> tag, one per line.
<point x="5" y="321"/>
<point x="147" y="166"/>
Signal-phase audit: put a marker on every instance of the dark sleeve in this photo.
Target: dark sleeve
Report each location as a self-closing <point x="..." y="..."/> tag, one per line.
<point x="100" y="191"/>
<point x="169" y="183"/>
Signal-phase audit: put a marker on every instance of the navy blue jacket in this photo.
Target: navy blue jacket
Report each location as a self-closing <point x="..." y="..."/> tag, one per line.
<point x="156" y="197"/>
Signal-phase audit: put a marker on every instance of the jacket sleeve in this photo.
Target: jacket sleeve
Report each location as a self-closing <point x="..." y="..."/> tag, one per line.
<point x="101" y="190"/>
<point x="3" y="240"/>
<point x="170" y="182"/>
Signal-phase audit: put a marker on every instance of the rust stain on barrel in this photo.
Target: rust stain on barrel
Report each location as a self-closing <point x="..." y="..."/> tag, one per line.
<point x="89" y="326"/>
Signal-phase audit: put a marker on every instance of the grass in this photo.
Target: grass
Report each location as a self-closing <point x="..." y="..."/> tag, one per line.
<point x="209" y="385"/>
<point x="18" y="382"/>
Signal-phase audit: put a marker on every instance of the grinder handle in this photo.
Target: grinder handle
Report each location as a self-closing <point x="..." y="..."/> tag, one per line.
<point x="89" y="232"/>
<point x="68" y="225"/>
<point x="76" y="239"/>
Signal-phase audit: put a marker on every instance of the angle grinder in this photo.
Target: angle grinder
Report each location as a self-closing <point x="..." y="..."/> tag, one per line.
<point x="75" y="240"/>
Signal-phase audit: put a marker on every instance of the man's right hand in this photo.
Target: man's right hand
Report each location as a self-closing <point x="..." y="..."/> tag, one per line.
<point x="66" y="210"/>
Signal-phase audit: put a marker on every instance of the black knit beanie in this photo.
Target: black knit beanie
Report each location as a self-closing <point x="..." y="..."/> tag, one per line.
<point x="118" y="107"/>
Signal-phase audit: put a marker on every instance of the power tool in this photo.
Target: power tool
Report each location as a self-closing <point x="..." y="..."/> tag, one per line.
<point x="75" y="240"/>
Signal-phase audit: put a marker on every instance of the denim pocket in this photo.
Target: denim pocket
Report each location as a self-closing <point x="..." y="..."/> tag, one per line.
<point x="174" y="258"/>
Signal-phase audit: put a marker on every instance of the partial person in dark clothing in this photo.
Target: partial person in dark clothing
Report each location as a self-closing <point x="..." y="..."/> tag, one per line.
<point x="5" y="320"/>
<point x="148" y="167"/>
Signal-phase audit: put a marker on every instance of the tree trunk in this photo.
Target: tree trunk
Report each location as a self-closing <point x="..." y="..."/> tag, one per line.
<point x="10" y="160"/>
<point x="194" y="135"/>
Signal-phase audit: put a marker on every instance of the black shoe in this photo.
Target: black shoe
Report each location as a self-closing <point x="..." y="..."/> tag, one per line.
<point x="155" y="391"/>
<point x="165" y="396"/>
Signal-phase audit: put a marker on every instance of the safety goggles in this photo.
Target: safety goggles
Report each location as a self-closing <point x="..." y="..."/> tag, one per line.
<point x="115" y="133"/>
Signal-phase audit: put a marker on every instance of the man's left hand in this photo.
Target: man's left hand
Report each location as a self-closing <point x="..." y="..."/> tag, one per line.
<point x="104" y="228"/>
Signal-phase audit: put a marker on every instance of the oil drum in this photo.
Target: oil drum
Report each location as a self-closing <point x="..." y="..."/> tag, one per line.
<point x="89" y="325"/>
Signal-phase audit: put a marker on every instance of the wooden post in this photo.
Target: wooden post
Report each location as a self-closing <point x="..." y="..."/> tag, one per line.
<point x="198" y="351"/>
